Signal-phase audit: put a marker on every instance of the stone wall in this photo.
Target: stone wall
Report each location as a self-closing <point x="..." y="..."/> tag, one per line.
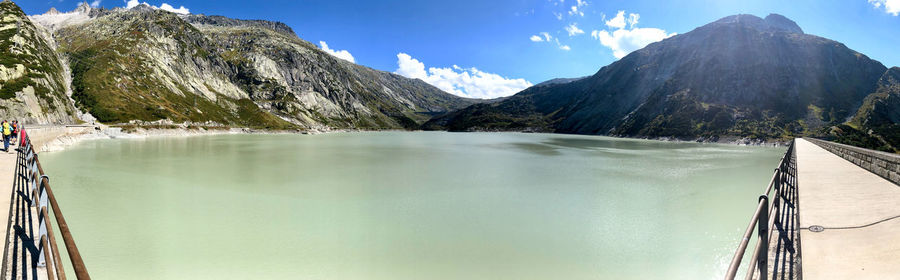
<point x="886" y="165"/>
<point x="41" y="135"/>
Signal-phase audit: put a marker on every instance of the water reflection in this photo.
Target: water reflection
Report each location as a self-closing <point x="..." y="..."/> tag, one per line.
<point x="552" y="145"/>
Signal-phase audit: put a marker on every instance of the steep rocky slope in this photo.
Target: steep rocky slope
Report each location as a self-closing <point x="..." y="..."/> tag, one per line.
<point x="33" y="83"/>
<point x="739" y="77"/>
<point x="877" y="123"/>
<point x="151" y="65"/>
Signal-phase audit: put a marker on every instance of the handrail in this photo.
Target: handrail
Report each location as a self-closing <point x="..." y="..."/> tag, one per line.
<point x="40" y="191"/>
<point x="763" y="223"/>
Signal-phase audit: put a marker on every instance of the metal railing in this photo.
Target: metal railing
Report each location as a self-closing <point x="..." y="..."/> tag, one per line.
<point x="762" y="223"/>
<point x="41" y="196"/>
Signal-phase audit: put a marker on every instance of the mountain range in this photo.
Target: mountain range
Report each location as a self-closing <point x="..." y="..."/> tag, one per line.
<point x="741" y="78"/>
<point x="150" y="65"/>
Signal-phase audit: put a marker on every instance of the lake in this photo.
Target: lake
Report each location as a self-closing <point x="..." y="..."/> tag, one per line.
<point x="407" y="205"/>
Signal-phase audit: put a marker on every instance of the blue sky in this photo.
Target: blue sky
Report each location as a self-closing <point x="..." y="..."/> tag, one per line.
<point x="490" y="48"/>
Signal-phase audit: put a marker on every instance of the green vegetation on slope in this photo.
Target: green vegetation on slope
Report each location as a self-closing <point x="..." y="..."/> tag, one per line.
<point x="155" y="65"/>
<point x="115" y="80"/>
<point x="23" y="49"/>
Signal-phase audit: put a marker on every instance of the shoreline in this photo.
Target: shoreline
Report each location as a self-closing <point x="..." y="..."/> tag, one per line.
<point x="62" y="142"/>
<point x="726" y="140"/>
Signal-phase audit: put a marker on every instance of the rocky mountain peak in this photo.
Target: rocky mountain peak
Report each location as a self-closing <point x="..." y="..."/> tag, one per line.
<point x="739" y="77"/>
<point x="772" y="23"/>
<point x="199" y="19"/>
<point x="212" y="69"/>
<point x="780" y="22"/>
<point x="84" y="8"/>
<point x="52" y="11"/>
<point x="143" y="7"/>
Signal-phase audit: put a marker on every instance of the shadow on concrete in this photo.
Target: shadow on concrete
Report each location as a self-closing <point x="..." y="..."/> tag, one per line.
<point x="21" y="254"/>
<point x="784" y="253"/>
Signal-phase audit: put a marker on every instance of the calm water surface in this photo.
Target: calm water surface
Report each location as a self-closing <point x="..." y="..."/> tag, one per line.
<point x="407" y="205"/>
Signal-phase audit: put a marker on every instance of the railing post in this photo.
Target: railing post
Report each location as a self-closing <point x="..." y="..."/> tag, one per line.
<point x="784" y="176"/>
<point x="763" y="230"/>
<point x="42" y="204"/>
<point x="81" y="272"/>
<point x="779" y="179"/>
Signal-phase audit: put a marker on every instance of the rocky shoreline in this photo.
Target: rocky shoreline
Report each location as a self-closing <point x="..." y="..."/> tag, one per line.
<point x="732" y="140"/>
<point x="62" y="142"/>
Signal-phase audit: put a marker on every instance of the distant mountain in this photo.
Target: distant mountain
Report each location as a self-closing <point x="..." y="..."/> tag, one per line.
<point x="147" y="64"/>
<point x="741" y="77"/>
<point x="558" y="81"/>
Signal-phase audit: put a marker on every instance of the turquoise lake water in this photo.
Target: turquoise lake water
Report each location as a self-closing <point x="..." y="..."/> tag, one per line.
<point x="407" y="205"/>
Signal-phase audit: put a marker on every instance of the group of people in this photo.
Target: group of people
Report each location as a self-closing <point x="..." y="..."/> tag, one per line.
<point x="10" y="130"/>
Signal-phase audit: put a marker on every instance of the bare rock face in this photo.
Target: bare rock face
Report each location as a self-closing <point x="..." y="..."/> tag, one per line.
<point x="772" y="23"/>
<point x="142" y="8"/>
<point x="83" y="8"/>
<point x="220" y="21"/>
<point x="877" y="123"/>
<point x="738" y="77"/>
<point x="32" y="79"/>
<point x="149" y="65"/>
<point x="780" y="22"/>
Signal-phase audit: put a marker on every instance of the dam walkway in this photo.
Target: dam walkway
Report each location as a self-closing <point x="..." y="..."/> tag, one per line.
<point x="831" y="211"/>
<point x="35" y="221"/>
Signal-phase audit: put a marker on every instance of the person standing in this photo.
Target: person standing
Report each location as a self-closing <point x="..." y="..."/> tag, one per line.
<point x="15" y="132"/>
<point x="7" y="131"/>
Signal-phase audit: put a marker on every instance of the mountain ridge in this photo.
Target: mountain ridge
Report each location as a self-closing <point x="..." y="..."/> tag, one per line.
<point x="740" y="77"/>
<point x="149" y="65"/>
<point x="32" y="82"/>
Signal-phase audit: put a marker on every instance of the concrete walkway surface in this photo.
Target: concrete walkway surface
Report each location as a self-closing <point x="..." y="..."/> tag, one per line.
<point x="860" y="214"/>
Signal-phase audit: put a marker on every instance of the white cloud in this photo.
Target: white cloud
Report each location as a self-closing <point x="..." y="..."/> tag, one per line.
<point x="180" y="10"/>
<point x="561" y="46"/>
<point x="342" y="54"/>
<point x="575" y="11"/>
<point x="633" y="19"/>
<point x="559" y="16"/>
<point x="96" y="3"/>
<point x="541" y="37"/>
<point x="547" y="36"/>
<point x="623" y="41"/>
<point x="573" y="29"/>
<point x="617" y="22"/>
<point x="890" y="6"/>
<point x="410" y="67"/>
<point x="164" y="6"/>
<point x="577" y="8"/>
<point x="466" y="82"/>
